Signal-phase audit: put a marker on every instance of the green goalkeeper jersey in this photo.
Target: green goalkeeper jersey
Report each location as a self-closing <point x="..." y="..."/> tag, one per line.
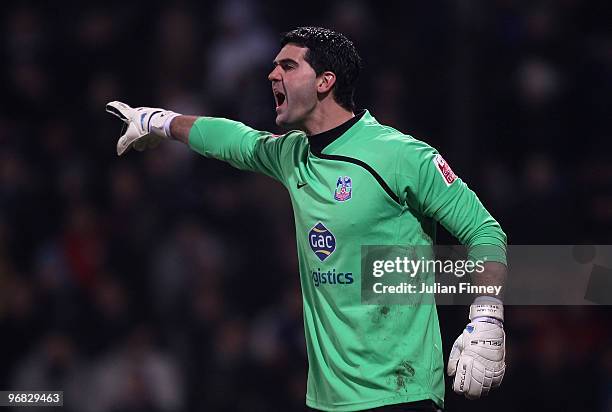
<point x="361" y="183"/>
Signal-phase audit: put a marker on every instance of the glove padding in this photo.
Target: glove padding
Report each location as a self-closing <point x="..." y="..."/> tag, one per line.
<point x="477" y="359"/>
<point x="145" y="126"/>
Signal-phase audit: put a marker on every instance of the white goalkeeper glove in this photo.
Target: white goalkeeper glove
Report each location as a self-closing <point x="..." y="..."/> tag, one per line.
<point x="477" y="359"/>
<point x="146" y="126"/>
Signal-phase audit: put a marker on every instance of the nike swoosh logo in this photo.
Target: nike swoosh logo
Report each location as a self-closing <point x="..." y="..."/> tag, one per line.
<point x="301" y="185"/>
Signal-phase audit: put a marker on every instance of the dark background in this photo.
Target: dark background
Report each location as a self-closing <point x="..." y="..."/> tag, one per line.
<point x="162" y="281"/>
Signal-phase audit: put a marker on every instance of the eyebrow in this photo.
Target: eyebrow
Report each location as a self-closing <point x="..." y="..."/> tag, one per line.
<point x="281" y="61"/>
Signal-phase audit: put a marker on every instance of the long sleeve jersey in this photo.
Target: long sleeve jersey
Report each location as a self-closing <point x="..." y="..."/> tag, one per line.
<point x="361" y="183"/>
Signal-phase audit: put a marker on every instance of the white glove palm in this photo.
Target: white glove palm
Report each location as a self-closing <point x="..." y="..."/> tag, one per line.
<point x="146" y="126"/>
<point x="477" y="359"/>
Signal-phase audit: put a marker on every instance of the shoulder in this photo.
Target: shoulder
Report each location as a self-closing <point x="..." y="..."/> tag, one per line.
<point x="291" y="139"/>
<point x="289" y="146"/>
<point x="405" y="146"/>
<point x="390" y="137"/>
<point x="291" y="135"/>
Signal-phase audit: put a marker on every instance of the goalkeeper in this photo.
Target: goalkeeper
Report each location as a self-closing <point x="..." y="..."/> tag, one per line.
<point x="353" y="182"/>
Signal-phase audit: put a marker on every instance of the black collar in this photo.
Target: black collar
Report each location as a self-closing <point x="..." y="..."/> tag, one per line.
<point x="320" y="141"/>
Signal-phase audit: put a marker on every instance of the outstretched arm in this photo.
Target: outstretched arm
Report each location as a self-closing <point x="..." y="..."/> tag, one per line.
<point x="222" y="139"/>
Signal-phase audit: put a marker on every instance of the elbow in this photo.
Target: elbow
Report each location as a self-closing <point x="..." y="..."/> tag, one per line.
<point x="488" y="233"/>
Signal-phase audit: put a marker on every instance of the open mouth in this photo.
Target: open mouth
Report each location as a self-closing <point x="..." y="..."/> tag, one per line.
<point x="280" y="98"/>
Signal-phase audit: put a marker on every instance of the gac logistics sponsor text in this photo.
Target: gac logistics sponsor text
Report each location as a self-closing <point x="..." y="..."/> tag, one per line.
<point x="323" y="243"/>
<point x="331" y="277"/>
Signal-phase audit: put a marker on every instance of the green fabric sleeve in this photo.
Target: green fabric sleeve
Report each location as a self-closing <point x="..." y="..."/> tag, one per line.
<point x="449" y="201"/>
<point x="241" y="146"/>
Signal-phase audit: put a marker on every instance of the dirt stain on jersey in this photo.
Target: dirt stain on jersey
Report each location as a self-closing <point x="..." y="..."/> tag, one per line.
<point x="379" y="312"/>
<point x="403" y="372"/>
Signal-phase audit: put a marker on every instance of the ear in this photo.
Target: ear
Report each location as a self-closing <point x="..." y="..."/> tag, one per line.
<point x="325" y="82"/>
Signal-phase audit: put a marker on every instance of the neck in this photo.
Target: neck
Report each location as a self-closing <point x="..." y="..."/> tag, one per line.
<point x="326" y="117"/>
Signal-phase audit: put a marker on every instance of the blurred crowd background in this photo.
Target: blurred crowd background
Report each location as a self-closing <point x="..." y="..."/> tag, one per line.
<point x="163" y="281"/>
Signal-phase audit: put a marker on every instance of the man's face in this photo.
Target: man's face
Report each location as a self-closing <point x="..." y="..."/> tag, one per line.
<point x="294" y="84"/>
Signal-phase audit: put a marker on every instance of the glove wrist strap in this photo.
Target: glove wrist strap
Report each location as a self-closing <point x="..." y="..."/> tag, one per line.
<point x="488" y="319"/>
<point x="489" y="307"/>
<point x="167" y="131"/>
<point x="160" y="123"/>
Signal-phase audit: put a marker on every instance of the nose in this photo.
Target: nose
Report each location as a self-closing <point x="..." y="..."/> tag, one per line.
<point x="274" y="74"/>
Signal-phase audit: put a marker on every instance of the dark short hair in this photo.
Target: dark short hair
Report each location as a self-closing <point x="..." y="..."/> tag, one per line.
<point x="329" y="51"/>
